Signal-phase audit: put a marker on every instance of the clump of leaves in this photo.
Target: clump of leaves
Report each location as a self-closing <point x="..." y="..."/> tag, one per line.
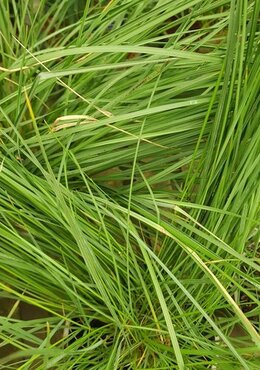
<point x="129" y="202"/>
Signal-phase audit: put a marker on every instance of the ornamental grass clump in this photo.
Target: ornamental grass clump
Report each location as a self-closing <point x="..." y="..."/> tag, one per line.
<point x="129" y="173"/>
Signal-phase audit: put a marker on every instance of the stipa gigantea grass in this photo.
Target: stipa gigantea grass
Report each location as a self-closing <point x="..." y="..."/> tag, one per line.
<point x="129" y="170"/>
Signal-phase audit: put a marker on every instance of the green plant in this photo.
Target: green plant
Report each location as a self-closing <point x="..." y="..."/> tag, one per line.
<point x="129" y="202"/>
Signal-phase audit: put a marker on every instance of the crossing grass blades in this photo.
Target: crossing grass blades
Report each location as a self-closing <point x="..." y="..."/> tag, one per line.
<point x="129" y="165"/>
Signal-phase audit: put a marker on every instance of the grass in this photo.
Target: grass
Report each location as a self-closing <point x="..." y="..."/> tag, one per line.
<point x="129" y="172"/>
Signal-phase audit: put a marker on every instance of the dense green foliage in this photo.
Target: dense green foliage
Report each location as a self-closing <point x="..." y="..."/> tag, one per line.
<point x="129" y="171"/>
